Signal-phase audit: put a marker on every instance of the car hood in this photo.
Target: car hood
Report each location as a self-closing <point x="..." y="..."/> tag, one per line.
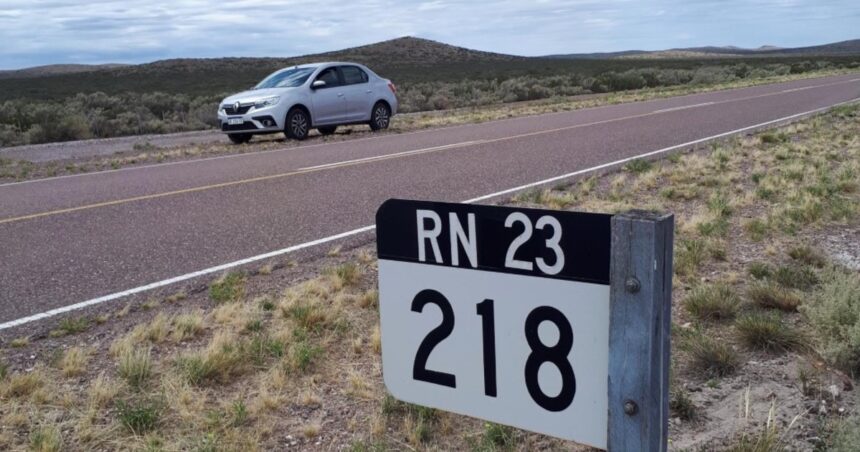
<point x="256" y="94"/>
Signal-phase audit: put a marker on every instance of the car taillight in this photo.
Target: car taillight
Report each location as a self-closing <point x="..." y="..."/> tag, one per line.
<point x="392" y="87"/>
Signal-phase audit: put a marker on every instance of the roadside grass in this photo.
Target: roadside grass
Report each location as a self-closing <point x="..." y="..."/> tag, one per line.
<point x="135" y="365"/>
<point x="709" y="357"/>
<point x="767" y="331"/>
<point x="834" y="312"/>
<point x="774" y="296"/>
<point x="846" y="435"/>
<point x="71" y="325"/>
<point x="712" y="302"/>
<point x="247" y="369"/>
<point x="229" y="287"/>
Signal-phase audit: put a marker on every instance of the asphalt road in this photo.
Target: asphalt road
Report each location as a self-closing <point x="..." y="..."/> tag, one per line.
<point x="72" y="239"/>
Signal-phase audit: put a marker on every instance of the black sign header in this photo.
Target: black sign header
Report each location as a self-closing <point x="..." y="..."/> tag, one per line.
<point x="534" y="242"/>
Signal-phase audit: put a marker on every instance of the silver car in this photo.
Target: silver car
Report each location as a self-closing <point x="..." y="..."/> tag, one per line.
<point x="318" y="96"/>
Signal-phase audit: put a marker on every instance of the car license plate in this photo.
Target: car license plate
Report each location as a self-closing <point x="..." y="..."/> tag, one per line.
<point x="235" y="121"/>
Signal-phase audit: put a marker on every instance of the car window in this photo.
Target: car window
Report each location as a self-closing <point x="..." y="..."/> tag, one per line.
<point x="286" y="78"/>
<point x="353" y="75"/>
<point x="329" y="76"/>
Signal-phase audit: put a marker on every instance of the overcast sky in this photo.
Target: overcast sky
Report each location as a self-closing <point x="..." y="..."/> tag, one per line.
<point x="40" y="32"/>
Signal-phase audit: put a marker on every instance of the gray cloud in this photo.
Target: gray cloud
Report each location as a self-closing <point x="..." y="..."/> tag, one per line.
<point x="99" y="31"/>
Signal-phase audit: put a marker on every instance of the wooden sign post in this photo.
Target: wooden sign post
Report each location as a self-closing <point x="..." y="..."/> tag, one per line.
<point x="639" y="331"/>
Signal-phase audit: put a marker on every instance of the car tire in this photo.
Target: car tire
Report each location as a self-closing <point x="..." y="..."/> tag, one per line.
<point x="239" y="138"/>
<point x="380" y="117"/>
<point x="327" y="130"/>
<point x="298" y="124"/>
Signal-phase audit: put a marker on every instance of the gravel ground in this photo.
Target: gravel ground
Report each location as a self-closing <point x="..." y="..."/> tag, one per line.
<point x="105" y="146"/>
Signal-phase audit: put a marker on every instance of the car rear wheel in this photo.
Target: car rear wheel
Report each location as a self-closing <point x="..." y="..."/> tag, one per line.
<point x="327" y="130"/>
<point x="380" y="117"/>
<point x="239" y="138"/>
<point x="298" y="124"/>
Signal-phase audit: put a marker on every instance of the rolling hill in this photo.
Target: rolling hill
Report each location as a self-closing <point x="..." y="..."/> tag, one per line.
<point x="842" y="48"/>
<point x="56" y="69"/>
<point x="405" y="60"/>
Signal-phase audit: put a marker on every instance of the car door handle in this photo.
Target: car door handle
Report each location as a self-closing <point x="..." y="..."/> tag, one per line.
<point x="370" y="91"/>
<point x="339" y="94"/>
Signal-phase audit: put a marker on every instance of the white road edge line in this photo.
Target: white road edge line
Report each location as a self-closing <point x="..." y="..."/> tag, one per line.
<point x="684" y="107"/>
<point x="361" y="230"/>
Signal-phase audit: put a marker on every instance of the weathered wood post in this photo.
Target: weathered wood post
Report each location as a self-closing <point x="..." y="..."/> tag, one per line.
<point x="639" y="331"/>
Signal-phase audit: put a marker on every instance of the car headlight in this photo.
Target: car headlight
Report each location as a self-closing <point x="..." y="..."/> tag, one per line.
<point x="267" y="102"/>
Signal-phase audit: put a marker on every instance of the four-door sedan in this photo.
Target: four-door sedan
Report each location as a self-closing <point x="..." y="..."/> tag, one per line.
<point x="318" y="96"/>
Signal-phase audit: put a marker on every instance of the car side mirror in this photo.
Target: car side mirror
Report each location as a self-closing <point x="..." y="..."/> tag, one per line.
<point x="317" y="84"/>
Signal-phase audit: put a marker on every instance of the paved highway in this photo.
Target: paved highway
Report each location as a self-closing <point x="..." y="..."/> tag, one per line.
<point x="94" y="238"/>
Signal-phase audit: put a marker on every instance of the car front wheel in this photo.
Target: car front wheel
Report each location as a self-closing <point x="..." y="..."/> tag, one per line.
<point x="381" y="116"/>
<point x="298" y="124"/>
<point x="239" y="138"/>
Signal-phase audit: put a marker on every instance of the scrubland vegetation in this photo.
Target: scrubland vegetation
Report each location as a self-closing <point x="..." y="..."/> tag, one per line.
<point x="765" y="328"/>
<point x="43" y="110"/>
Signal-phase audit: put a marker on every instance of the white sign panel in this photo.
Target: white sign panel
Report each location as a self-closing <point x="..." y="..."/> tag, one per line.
<point x="497" y="313"/>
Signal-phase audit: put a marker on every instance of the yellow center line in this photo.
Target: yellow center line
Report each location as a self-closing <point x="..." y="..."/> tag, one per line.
<point x="236" y="182"/>
<point x="373" y="160"/>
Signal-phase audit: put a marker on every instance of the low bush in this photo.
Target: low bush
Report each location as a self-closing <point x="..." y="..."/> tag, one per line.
<point x="834" y="312"/>
<point x="52" y="115"/>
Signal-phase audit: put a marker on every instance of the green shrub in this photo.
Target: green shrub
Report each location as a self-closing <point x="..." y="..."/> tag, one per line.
<point x="846" y="435"/>
<point x="834" y="312"/>
<point x="139" y="416"/>
<point x="760" y="270"/>
<point x="638" y="166"/>
<point x="227" y="288"/>
<point x="795" y="277"/>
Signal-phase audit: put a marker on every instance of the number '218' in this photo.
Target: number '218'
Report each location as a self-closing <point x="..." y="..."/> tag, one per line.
<point x="540" y="353"/>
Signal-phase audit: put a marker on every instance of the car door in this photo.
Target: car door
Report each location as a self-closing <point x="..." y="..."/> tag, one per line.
<point x="359" y="93"/>
<point x="329" y="101"/>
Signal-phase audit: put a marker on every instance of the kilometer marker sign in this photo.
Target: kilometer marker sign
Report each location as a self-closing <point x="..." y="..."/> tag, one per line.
<point x="504" y="314"/>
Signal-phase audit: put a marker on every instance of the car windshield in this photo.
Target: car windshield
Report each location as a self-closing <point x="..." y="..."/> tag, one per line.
<point x="286" y="78"/>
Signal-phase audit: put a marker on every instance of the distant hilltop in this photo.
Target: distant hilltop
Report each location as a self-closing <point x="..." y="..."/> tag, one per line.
<point x="842" y="48"/>
<point x="412" y="51"/>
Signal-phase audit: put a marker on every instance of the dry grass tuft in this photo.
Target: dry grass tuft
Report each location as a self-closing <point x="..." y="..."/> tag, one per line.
<point x="766" y="331"/>
<point x="187" y="326"/>
<point x="711" y="357"/>
<point x="46" y="438"/>
<point x="773" y="296"/>
<point x="712" y="302"/>
<point x="102" y="391"/>
<point x="20" y="385"/>
<point x="222" y="359"/>
<point x="74" y="362"/>
<point x="135" y="365"/>
<point x="808" y="256"/>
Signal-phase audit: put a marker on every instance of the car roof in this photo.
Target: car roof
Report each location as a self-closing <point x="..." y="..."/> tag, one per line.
<point x="326" y="63"/>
